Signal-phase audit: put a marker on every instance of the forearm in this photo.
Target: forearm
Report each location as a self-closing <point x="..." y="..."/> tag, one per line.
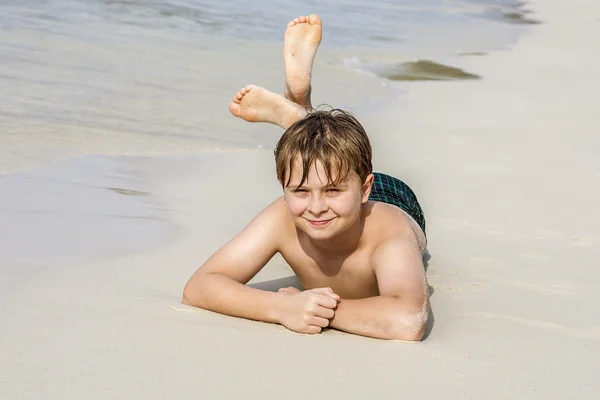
<point x="219" y="293"/>
<point x="382" y="317"/>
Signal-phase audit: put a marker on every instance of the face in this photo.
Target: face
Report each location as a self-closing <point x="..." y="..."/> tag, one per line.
<point x="321" y="210"/>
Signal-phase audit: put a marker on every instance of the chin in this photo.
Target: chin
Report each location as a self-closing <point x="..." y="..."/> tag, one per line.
<point x="319" y="235"/>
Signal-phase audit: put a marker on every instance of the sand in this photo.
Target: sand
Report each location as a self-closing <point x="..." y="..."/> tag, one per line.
<point x="504" y="166"/>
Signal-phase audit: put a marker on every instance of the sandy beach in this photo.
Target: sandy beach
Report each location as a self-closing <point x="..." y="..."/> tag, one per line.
<point x="96" y="249"/>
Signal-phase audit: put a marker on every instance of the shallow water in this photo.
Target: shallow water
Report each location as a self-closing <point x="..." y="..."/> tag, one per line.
<point x="155" y="77"/>
<point x="76" y="212"/>
<point x="380" y="23"/>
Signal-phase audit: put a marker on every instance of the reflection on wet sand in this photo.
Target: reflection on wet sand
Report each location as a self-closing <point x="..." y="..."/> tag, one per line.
<point x="473" y="53"/>
<point x="423" y="70"/>
<point x="128" y="192"/>
<point x="516" y="14"/>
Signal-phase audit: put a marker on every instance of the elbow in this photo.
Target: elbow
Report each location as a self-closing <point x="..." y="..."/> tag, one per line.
<point x="187" y="297"/>
<point x="412" y="334"/>
<point x="192" y="294"/>
<point x="410" y="328"/>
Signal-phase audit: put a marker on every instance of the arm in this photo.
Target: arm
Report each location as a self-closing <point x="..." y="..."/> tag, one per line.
<point x="220" y="284"/>
<point x="401" y="309"/>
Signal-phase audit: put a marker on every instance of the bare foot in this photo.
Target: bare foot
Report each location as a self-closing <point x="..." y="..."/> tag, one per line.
<point x="257" y="104"/>
<point x="302" y="38"/>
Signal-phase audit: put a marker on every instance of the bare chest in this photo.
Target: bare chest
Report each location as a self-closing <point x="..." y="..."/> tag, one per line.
<point x="351" y="277"/>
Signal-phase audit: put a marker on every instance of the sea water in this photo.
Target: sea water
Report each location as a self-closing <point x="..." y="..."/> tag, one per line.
<point x="128" y="76"/>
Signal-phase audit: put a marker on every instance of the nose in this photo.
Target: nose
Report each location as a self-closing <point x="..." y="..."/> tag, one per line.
<point x="317" y="204"/>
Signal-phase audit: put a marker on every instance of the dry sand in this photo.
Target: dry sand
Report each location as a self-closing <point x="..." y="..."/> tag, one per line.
<point x="506" y="171"/>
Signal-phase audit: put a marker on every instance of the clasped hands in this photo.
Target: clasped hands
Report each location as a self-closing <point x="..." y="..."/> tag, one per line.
<point x="307" y="311"/>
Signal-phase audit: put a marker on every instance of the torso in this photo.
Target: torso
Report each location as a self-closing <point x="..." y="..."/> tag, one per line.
<point x="353" y="275"/>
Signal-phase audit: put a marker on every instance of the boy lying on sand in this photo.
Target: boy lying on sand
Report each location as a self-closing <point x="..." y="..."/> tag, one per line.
<point x="354" y="238"/>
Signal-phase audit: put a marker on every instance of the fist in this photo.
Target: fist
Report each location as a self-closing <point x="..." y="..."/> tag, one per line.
<point x="307" y="311"/>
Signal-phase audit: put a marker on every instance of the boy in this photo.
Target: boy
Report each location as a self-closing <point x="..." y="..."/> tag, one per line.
<point x="354" y="239"/>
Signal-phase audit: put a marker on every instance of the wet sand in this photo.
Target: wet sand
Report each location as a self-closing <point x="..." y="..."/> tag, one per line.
<point x="504" y="167"/>
<point x="423" y="70"/>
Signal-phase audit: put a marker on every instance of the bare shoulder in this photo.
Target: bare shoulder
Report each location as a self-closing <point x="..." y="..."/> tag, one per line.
<point x="273" y="220"/>
<point x="386" y="223"/>
<point x="275" y="210"/>
<point x="248" y="251"/>
<point x="396" y="254"/>
<point x="398" y="265"/>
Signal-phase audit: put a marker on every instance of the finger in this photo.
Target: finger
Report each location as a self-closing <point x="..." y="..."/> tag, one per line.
<point x="323" y="290"/>
<point x="318" y="321"/>
<point x="328" y="291"/>
<point x="324" y="312"/>
<point x="325" y="300"/>
<point x="312" y="329"/>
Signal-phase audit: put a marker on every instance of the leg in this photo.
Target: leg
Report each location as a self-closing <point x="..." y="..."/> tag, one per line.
<point x="302" y="38"/>
<point x="256" y="104"/>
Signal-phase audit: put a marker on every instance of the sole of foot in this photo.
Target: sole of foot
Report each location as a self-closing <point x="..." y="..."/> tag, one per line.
<point x="302" y="38"/>
<point x="256" y="104"/>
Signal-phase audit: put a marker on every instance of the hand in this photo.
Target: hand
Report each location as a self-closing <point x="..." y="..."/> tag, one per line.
<point x="289" y="290"/>
<point x="308" y="311"/>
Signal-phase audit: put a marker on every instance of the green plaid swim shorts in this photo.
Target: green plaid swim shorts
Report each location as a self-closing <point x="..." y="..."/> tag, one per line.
<point x="390" y="190"/>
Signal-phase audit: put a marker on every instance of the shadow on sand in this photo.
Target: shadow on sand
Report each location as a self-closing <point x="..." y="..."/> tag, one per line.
<point x="430" y="318"/>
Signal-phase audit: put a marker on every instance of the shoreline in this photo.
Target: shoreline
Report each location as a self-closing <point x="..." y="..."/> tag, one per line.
<point x="511" y="268"/>
<point x="155" y="94"/>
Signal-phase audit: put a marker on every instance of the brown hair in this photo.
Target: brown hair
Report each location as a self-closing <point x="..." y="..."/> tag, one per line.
<point x="333" y="137"/>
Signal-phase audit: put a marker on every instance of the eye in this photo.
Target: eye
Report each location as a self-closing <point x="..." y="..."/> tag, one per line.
<point x="300" y="191"/>
<point x="333" y="190"/>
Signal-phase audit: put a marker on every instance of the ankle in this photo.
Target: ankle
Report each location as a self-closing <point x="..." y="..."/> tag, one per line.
<point x="291" y="118"/>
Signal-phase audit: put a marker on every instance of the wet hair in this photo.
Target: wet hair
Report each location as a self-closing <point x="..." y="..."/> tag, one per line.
<point x="334" y="137"/>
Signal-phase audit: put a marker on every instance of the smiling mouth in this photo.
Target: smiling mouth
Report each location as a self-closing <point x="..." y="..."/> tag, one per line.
<point x="320" y="223"/>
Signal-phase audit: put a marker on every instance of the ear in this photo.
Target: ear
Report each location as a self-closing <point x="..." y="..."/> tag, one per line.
<point x="366" y="188"/>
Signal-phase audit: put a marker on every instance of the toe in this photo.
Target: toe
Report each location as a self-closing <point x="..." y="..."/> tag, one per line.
<point x="235" y="109"/>
<point x="314" y="19"/>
